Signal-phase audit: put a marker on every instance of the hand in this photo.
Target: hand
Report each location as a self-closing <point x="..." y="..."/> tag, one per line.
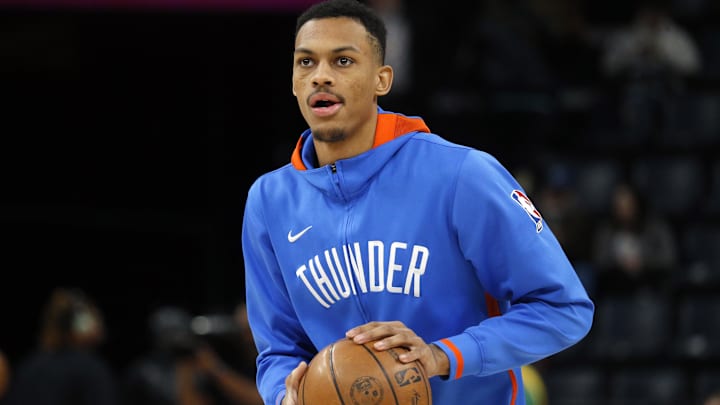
<point x="292" y="382"/>
<point x="396" y="334"/>
<point x="207" y="360"/>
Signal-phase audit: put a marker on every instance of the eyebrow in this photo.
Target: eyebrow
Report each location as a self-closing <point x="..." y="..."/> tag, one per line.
<point x="336" y="50"/>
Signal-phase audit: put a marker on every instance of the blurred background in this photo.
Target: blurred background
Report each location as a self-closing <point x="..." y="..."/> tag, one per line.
<point x="130" y="131"/>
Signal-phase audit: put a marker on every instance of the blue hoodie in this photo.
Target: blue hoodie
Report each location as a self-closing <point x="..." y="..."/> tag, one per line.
<point x="417" y="229"/>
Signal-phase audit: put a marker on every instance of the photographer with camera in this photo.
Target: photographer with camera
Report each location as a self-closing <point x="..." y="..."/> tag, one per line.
<point x="184" y="367"/>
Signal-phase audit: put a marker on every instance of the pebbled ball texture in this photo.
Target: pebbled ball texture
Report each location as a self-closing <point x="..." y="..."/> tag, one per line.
<point x="346" y="373"/>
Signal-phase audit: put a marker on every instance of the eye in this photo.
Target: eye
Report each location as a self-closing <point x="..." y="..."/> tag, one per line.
<point x="344" y="61"/>
<point x="305" y="62"/>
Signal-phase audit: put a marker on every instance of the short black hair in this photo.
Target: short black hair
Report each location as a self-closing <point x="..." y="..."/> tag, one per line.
<point x="354" y="9"/>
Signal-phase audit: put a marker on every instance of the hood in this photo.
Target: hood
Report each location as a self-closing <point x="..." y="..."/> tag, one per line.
<point x="389" y="126"/>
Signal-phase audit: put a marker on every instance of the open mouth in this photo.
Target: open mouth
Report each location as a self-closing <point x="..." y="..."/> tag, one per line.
<point x="325" y="104"/>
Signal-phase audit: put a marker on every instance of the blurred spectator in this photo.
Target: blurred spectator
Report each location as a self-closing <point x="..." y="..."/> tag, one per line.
<point x="158" y="377"/>
<point x="4" y="375"/>
<point x="562" y="209"/>
<point x="653" y="43"/>
<point x="229" y="360"/>
<point x="650" y="60"/>
<point x="183" y="368"/>
<point x="713" y="399"/>
<point x="634" y="246"/>
<point x="65" y="369"/>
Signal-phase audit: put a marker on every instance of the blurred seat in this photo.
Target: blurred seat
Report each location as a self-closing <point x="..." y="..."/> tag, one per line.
<point x="709" y="43"/>
<point x="672" y="185"/>
<point x="595" y="181"/>
<point x="630" y="326"/>
<point x="698" y="121"/>
<point x="700" y="251"/>
<point x="604" y="129"/>
<point x="712" y="199"/>
<point x="575" y="385"/>
<point x="697" y="329"/>
<point x="648" y="386"/>
<point x="688" y="9"/>
<point x="706" y="120"/>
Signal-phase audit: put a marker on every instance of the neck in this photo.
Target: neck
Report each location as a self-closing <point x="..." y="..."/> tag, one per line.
<point x="357" y="141"/>
<point x="330" y="152"/>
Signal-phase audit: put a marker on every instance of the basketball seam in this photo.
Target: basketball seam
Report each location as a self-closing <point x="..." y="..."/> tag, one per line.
<point x="390" y="383"/>
<point x="332" y="373"/>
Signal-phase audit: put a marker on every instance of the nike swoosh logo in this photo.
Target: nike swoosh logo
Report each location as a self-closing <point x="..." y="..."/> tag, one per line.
<point x="292" y="238"/>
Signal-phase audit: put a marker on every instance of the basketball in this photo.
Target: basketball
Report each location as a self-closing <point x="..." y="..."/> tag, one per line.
<point x="347" y="373"/>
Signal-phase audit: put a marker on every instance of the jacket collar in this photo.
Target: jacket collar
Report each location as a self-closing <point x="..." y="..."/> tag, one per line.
<point x="389" y="127"/>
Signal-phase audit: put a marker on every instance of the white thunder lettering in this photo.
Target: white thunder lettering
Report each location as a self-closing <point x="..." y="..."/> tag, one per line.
<point x="354" y="262"/>
<point x="342" y="284"/>
<point x="322" y="279"/>
<point x="416" y="269"/>
<point x="330" y="282"/>
<point x="376" y="251"/>
<point x="300" y="272"/>
<point x="394" y="267"/>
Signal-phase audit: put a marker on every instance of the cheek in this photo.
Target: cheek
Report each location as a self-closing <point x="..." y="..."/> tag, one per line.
<point x="362" y="88"/>
<point x="298" y="81"/>
<point x="295" y="85"/>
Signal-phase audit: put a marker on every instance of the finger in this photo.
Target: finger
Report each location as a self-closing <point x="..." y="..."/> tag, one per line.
<point x="376" y="330"/>
<point x="402" y="338"/>
<point x="292" y="382"/>
<point x="361" y="329"/>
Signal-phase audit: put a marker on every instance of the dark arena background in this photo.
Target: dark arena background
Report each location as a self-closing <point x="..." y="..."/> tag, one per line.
<point x="130" y="132"/>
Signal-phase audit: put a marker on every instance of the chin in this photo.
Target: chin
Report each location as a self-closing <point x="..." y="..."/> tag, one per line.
<point x="328" y="133"/>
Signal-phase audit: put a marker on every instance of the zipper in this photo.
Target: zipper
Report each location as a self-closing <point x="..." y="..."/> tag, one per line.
<point x="346" y="241"/>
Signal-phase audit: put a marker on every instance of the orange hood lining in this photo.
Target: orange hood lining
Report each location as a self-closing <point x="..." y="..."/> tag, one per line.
<point x="389" y="127"/>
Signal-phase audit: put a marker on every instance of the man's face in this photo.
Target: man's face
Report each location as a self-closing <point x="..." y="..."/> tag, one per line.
<point x="336" y="77"/>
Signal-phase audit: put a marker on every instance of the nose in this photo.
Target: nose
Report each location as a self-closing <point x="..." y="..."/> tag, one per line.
<point x="323" y="75"/>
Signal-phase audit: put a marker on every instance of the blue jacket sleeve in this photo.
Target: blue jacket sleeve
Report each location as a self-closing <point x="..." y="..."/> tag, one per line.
<point x="279" y="337"/>
<point x="544" y="306"/>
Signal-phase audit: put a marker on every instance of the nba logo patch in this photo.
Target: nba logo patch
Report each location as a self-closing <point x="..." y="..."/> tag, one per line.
<point x="529" y="208"/>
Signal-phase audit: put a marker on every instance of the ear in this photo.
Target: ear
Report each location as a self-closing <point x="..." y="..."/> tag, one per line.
<point x="384" y="80"/>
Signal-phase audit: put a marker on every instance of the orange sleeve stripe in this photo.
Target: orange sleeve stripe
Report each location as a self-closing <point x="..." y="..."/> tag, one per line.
<point x="461" y="365"/>
<point x="513" y="380"/>
<point x="458" y="357"/>
<point x="494" y="310"/>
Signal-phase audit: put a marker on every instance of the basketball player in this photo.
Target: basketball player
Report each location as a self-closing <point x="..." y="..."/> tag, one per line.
<point x="379" y="229"/>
